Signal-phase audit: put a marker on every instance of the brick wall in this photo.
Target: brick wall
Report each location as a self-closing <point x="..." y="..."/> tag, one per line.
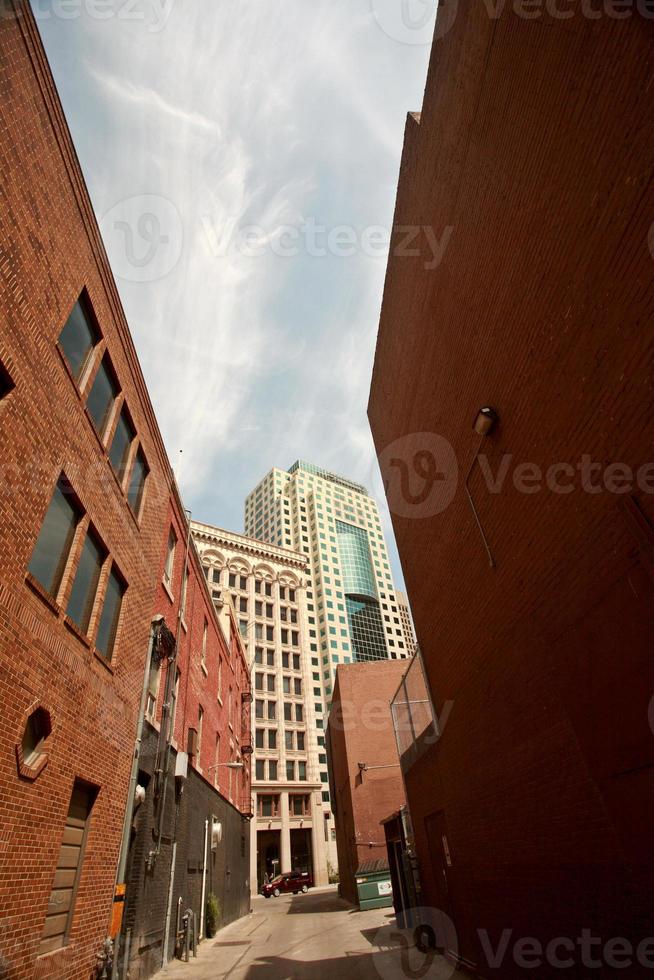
<point x="360" y="730"/>
<point x="533" y="148"/>
<point x="50" y="253"/>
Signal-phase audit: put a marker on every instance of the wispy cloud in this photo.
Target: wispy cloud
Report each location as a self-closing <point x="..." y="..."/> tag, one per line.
<point x="243" y="113"/>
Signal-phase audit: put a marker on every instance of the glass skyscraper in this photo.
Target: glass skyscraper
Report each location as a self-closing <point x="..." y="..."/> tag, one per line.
<point x="352" y="607"/>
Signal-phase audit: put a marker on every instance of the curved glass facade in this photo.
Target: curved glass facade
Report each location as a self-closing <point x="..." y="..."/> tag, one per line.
<point x="354" y="554"/>
<point x="358" y="577"/>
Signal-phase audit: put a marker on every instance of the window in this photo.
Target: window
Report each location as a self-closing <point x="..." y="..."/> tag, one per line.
<point x="268" y="589"/>
<point x="285" y="660"/>
<point x="220" y="678"/>
<point x="184" y="591"/>
<point x="102" y="395"/>
<point x="300" y="806"/>
<point x="205" y="630"/>
<point x="243" y="604"/>
<point x="216" y="761"/>
<point x="258" y="738"/>
<point x="137" y="482"/>
<point x="288" y="740"/>
<point x="108" y="628"/>
<point x="272" y="738"/>
<point x="288" y="709"/>
<point x="300" y="741"/>
<point x="272" y="769"/>
<point x="243" y="582"/>
<point x="298" y="712"/>
<point x="85" y="585"/>
<point x="200" y="723"/>
<point x="302" y="770"/>
<point x="55" y="538"/>
<point x="232" y="580"/>
<point x="173" y="705"/>
<point x="296" y="661"/>
<point x="258" y="682"/>
<point x="78" y="337"/>
<point x="270" y="683"/>
<point x="259" y="769"/>
<point x="297" y="686"/>
<point x="6" y="384"/>
<point x="272" y="710"/>
<point x="286" y="685"/>
<point x="258" y="709"/>
<point x="170" y="559"/>
<point x="69" y="868"/>
<point x="268" y="806"/>
<point x="120" y="444"/>
<point x="290" y="770"/>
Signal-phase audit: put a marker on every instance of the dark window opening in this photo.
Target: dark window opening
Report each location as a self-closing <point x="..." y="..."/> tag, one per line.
<point x="55" y="538"/>
<point x="79" y="336"/>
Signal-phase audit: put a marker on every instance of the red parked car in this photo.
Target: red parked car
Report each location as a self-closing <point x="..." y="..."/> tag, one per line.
<point x="289" y="881"/>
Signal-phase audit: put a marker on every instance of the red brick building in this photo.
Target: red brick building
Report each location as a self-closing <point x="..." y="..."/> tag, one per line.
<point x="532" y="163"/>
<point x="87" y="499"/>
<point x="360" y="730"/>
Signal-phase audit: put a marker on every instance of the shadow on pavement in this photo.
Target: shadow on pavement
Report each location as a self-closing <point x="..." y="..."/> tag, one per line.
<point x="315" y="904"/>
<point x="382" y="964"/>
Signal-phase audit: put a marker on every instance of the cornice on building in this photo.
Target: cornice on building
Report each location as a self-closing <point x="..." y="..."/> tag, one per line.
<point x="249" y="546"/>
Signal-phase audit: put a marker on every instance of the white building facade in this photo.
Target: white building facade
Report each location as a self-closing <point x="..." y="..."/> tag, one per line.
<point x="352" y="608"/>
<point x="268" y="585"/>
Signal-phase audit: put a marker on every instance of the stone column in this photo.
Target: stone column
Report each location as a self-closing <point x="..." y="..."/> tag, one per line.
<point x="285" y="849"/>
<point x="318" y="845"/>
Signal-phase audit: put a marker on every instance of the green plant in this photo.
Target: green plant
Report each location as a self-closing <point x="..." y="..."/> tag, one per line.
<point x="212" y="914"/>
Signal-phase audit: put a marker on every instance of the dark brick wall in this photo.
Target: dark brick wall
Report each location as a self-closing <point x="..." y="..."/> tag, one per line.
<point x="360" y="729"/>
<point x="534" y="147"/>
<point x="147" y="889"/>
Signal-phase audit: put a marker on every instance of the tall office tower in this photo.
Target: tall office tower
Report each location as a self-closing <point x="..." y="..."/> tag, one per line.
<point x="351" y="602"/>
<point x="290" y="829"/>
<point x="406" y="619"/>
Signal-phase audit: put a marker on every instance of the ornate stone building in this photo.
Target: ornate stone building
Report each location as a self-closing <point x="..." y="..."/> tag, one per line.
<point x="267" y="585"/>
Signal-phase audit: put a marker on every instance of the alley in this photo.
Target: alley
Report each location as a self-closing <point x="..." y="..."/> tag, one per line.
<point x="309" y="936"/>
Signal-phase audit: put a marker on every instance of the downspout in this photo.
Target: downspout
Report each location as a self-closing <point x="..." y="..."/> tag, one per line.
<point x="204" y="879"/>
<point x="131" y="792"/>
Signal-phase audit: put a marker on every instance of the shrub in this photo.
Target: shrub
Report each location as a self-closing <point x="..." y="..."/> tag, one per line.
<point x="212" y="913"/>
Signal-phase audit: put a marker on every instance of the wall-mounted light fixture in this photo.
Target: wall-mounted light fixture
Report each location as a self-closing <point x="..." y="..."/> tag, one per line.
<point x="485" y="421"/>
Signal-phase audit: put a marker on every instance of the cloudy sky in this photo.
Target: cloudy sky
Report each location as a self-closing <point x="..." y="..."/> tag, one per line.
<point x="225" y="143"/>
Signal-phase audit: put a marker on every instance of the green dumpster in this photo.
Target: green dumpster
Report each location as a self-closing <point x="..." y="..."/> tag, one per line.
<point x="374" y="885"/>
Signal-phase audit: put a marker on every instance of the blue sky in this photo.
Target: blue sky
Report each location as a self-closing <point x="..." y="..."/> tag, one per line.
<point x="222" y="142"/>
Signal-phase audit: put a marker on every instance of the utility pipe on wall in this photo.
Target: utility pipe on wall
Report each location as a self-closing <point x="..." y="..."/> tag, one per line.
<point x="204" y="879"/>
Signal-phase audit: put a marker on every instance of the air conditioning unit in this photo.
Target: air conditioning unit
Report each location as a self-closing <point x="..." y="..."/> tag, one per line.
<point x="216" y="833"/>
<point x="192" y="742"/>
<point x="181" y="765"/>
